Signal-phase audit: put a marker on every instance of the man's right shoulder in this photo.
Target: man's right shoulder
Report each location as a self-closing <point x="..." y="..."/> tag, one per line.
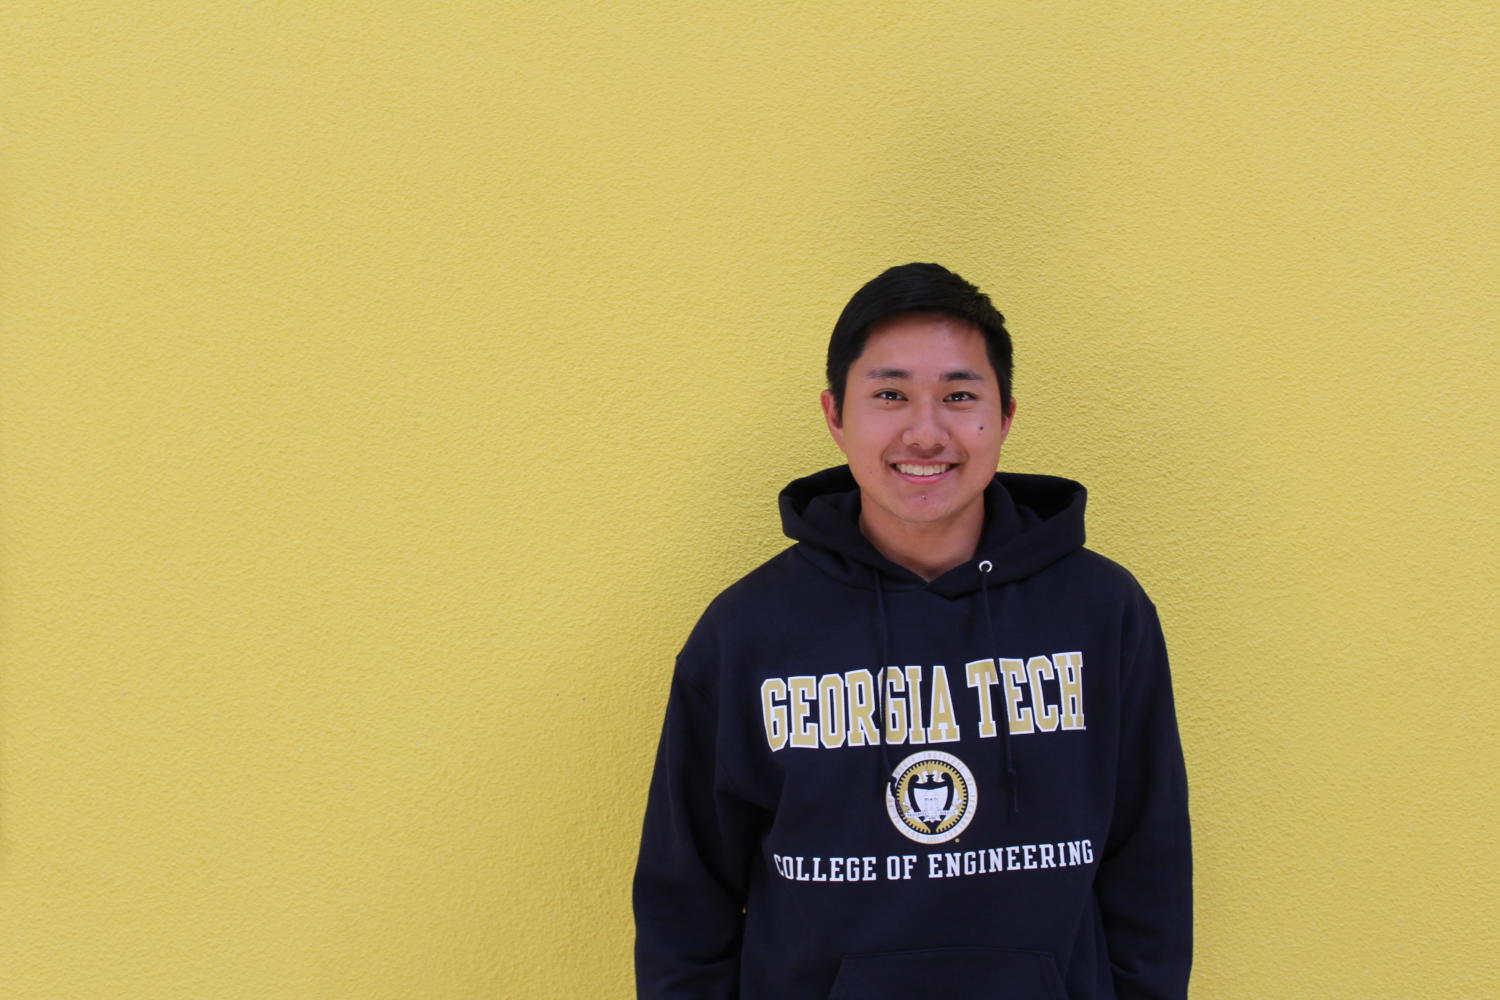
<point x="767" y="609"/>
<point x="764" y="590"/>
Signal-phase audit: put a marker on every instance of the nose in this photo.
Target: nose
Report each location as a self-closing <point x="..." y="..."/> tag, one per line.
<point x="927" y="431"/>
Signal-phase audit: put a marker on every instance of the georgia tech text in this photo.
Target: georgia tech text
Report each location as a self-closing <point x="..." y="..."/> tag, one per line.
<point x="1041" y="694"/>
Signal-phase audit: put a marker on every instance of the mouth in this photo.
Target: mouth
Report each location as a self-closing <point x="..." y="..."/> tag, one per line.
<point x="923" y="472"/>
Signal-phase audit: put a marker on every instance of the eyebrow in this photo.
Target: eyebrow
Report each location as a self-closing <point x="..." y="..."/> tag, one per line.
<point x="889" y="374"/>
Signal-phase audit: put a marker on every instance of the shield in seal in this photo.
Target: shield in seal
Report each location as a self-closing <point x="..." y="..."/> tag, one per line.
<point x="931" y="797"/>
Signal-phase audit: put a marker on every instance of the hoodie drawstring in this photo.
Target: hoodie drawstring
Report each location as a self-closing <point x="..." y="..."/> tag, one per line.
<point x="883" y="665"/>
<point x="1011" y="780"/>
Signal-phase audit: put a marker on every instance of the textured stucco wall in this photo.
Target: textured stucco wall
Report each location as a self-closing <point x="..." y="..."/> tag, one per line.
<point x="385" y="388"/>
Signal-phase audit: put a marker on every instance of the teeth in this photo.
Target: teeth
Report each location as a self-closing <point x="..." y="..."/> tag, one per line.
<point x="920" y="470"/>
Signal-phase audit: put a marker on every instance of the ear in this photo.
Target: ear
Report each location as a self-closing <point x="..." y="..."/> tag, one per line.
<point x="831" y="415"/>
<point x="1005" y="419"/>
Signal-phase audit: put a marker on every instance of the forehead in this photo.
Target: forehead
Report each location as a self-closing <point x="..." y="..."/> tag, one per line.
<point x="924" y="344"/>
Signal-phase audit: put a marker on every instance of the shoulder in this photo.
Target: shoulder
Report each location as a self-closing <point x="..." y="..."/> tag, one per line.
<point x="1113" y="587"/>
<point x="782" y="593"/>
<point x="764" y="591"/>
<point x="1086" y="572"/>
<point x="1104" y="573"/>
<point x="1108" y="589"/>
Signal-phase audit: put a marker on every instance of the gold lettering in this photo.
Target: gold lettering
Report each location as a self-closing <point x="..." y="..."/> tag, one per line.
<point x="1070" y="683"/>
<point x="831" y="710"/>
<point x="981" y="675"/>
<point x="895" y="706"/>
<point x="861" y="688"/>
<point x="1037" y="668"/>
<point x="942" y="725"/>
<point x="773" y="711"/>
<point x="914" y="687"/>
<point x="804" y="691"/>
<point x="1018" y="717"/>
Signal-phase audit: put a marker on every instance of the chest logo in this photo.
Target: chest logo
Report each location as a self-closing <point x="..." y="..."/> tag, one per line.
<point x="931" y="797"/>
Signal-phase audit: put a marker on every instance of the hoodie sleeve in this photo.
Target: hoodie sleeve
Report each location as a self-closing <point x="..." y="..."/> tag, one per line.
<point x="1144" y="885"/>
<point x="691" y="875"/>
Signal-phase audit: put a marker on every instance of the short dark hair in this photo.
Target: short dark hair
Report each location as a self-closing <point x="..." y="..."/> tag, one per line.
<point x="915" y="288"/>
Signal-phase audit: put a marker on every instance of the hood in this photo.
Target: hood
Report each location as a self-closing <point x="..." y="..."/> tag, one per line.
<point x="1030" y="522"/>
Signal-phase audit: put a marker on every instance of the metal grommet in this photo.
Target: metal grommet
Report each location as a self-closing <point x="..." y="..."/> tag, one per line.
<point x="985" y="566"/>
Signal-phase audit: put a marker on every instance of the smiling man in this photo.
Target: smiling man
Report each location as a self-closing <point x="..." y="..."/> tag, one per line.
<point x="922" y="432"/>
<point x="931" y="747"/>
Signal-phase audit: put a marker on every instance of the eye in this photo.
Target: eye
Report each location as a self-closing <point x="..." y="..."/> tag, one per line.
<point x="890" y="395"/>
<point x="962" y="396"/>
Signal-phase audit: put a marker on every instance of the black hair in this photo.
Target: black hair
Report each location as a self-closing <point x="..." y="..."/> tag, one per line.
<point x="915" y="288"/>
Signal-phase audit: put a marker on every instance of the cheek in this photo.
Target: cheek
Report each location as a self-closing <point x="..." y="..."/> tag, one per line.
<point x="871" y="437"/>
<point x="987" y="432"/>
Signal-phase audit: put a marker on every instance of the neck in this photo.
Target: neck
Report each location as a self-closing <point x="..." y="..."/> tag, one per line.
<point x="928" y="550"/>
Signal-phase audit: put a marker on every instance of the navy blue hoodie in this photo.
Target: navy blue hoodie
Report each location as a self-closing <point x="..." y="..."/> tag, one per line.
<point x="1004" y="817"/>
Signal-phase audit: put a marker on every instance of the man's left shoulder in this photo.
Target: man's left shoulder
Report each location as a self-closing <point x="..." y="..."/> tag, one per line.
<point x="1101" y="578"/>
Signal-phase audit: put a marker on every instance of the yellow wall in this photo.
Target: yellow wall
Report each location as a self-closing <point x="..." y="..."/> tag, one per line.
<point x="385" y="388"/>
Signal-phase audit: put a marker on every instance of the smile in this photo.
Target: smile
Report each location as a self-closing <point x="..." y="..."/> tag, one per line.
<point x="922" y="471"/>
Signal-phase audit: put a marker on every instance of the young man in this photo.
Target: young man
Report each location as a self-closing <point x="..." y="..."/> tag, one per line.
<point x="930" y="749"/>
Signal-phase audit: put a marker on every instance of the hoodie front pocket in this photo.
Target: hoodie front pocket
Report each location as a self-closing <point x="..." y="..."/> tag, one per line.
<point x="950" y="973"/>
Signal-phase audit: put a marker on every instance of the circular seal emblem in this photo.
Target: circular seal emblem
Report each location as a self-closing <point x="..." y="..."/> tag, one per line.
<point x="931" y="797"/>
